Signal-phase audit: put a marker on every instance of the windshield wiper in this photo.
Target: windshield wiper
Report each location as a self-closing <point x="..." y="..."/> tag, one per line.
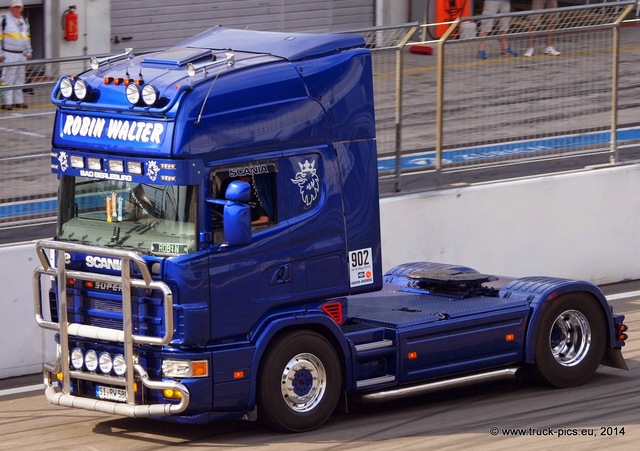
<point x="115" y="237"/>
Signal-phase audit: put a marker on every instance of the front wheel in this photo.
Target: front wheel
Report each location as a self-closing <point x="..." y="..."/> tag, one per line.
<point x="300" y="382"/>
<point x="571" y="340"/>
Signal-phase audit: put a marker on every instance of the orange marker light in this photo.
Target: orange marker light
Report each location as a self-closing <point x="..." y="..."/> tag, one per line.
<point x="238" y="374"/>
<point x="412" y="355"/>
<point x="200" y="368"/>
<point x="510" y="337"/>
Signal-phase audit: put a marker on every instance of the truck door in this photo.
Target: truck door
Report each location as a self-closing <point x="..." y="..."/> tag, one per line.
<point x="315" y="211"/>
<point x="247" y="280"/>
<point x="298" y="253"/>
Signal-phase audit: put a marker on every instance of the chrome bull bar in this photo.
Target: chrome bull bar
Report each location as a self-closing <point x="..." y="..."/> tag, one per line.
<point x="62" y="395"/>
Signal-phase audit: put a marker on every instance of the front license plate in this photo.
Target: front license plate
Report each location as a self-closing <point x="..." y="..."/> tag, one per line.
<point x="111" y="394"/>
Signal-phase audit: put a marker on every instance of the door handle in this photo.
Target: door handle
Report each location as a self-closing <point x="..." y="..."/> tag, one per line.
<point x="281" y="275"/>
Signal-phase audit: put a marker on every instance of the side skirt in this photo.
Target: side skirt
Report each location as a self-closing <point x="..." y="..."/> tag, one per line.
<point x="414" y="390"/>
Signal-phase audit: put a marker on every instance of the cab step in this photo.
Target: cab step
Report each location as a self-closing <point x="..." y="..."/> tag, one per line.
<point x="386" y="379"/>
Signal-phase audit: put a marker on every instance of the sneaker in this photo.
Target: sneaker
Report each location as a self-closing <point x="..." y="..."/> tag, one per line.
<point x="20" y="105"/>
<point x="508" y="51"/>
<point x="7" y="107"/>
<point x="551" y="51"/>
<point x="528" y="53"/>
<point x="482" y="54"/>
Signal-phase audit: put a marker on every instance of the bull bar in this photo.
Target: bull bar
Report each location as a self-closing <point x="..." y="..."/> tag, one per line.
<point x="62" y="395"/>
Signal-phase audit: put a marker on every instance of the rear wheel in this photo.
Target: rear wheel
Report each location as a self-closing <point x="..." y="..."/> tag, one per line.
<point x="300" y="382"/>
<point x="571" y="340"/>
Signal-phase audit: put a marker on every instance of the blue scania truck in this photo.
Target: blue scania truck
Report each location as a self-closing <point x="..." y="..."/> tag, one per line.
<point x="218" y="253"/>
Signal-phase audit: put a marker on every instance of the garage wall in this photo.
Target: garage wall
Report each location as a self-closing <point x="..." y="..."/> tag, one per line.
<point x="162" y="23"/>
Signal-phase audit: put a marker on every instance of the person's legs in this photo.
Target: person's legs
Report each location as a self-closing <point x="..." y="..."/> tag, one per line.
<point x="18" y="95"/>
<point x="9" y="76"/>
<point x="550" y="50"/>
<point x="534" y="19"/>
<point x="490" y="7"/>
<point x="505" y="23"/>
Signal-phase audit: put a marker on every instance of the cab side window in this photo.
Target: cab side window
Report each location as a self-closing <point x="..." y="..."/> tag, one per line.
<point x="262" y="177"/>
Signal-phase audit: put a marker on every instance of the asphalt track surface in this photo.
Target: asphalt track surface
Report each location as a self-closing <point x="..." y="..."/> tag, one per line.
<point x="604" y="413"/>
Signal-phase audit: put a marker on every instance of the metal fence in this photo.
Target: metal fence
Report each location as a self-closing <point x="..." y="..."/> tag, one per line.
<point x="439" y="106"/>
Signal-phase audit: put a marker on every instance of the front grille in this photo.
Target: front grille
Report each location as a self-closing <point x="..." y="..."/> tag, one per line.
<point x="106" y="305"/>
<point x="105" y="310"/>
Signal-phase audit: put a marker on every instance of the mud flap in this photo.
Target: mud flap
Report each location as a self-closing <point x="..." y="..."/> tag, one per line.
<point x="614" y="359"/>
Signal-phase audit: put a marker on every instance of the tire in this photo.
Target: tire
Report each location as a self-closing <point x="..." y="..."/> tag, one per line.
<point x="571" y="340"/>
<point x="299" y="383"/>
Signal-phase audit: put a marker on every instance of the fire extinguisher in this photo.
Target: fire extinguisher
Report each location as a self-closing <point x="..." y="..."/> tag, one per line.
<point x="70" y="24"/>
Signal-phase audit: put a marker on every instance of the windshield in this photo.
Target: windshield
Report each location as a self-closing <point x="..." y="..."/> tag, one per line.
<point x="153" y="219"/>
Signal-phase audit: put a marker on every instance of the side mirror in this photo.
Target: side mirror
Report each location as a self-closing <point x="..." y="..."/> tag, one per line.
<point x="238" y="191"/>
<point x="237" y="214"/>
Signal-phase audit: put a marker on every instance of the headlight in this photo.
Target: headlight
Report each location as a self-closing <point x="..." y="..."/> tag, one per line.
<point x="105" y="362"/>
<point x="119" y="365"/>
<point x="133" y="93"/>
<point x="77" y="358"/>
<point x="149" y="95"/>
<point x="185" y="368"/>
<point x="91" y="360"/>
<point x="66" y="87"/>
<point x="80" y="89"/>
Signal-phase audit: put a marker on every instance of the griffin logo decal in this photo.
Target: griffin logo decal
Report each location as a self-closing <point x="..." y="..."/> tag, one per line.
<point x="64" y="162"/>
<point x="152" y="170"/>
<point x="308" y="182"/>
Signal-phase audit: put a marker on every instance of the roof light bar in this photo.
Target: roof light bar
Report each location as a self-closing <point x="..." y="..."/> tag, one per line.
<point x="96" y="63"/>
<point x="229" y="60"/>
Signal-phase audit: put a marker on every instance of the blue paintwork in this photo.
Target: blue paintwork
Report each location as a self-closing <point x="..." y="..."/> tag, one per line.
<point x="304" y="105"/>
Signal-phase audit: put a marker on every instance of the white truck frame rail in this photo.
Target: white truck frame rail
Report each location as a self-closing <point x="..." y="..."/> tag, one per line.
<point x="62" y="396"/>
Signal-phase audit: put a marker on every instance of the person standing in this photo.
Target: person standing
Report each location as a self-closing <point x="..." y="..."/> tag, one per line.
<point x="16" y="47"/>
<point x="549" y="49"/>
<point x="492" y="7"/>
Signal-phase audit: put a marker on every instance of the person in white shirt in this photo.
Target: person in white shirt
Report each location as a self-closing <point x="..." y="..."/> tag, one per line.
<point x="16" y="47"/>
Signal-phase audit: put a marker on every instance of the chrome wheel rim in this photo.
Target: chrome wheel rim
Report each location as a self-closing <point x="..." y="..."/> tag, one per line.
<point x="570" y="338"/>
<point x="303" y="382"/>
